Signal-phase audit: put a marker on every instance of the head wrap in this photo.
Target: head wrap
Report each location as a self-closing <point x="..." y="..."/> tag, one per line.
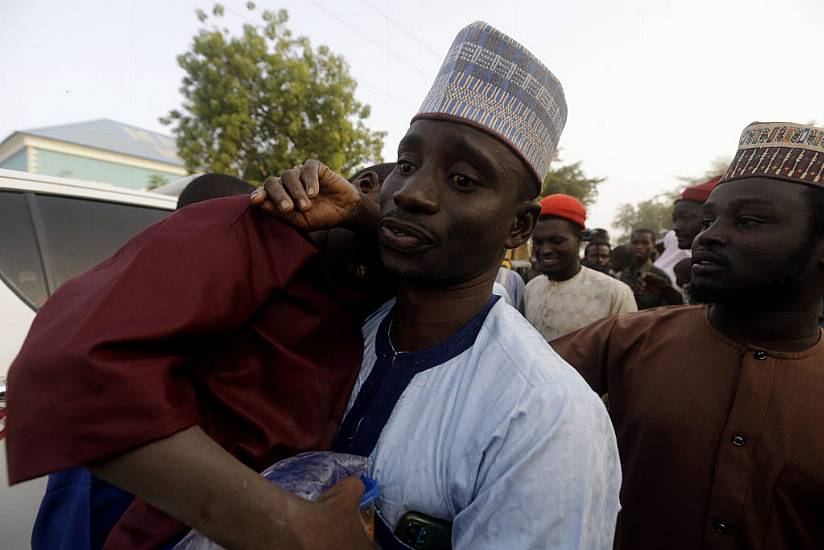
<point x="492" y="83"/>
<point x="701" y="192"/>
<point x="566" y="207"/>
<point x="779" y="150"/>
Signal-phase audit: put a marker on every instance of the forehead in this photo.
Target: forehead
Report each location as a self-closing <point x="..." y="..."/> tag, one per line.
<point x="548" y="227"/>
<point x="641" y="236"/>
<point x="684" y="206"/>
<point x="765" y="192"/>
<point x="451" y="141"/>
<point x="597" y="248"/>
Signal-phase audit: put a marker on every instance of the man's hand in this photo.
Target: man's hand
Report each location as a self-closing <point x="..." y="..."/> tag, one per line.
<point x="310" y="197"/>
<point x="334" y="520"/>
<point x="654" y="284"/>
<point x="190" y="477"/>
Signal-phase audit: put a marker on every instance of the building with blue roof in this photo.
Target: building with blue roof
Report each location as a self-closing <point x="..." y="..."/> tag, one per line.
<point x="98" y="150"/>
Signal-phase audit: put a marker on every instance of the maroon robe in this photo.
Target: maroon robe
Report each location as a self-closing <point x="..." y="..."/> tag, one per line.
<point x="219" y="316"/>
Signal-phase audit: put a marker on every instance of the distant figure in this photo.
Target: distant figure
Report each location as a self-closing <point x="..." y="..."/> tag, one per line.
<point x="686" y="213"/>
<point x="619" y="259"/>
<point x="600" y="236"/>
<point x="686" y="222"/>
<point x="212" y="186"/>
<point x="597" y="256"/>
<point x="568" y="296"/>
<point x="652" y="287"/>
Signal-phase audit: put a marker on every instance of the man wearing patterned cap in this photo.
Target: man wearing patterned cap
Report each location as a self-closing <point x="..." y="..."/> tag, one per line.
<point x="464" y="411"/>
<point x="717" y="408"/>
<point x="568" y="296"/>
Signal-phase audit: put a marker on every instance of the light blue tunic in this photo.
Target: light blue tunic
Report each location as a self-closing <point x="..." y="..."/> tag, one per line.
<point x="505" y="440"/>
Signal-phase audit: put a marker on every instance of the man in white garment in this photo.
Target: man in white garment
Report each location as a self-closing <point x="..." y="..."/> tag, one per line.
<point x="567" y="295"/>
<point x="465" y="412"/>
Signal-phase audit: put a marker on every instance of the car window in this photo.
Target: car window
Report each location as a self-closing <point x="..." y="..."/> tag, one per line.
<point x="80" y="233"/>
<point x="19" y="258"/>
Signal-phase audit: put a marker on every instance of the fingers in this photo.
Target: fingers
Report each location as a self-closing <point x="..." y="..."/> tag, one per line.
<point x="276" y="192"/>
<point x="309" y="175"/>
<point x="294" y="186"/>
<point x="346" y="490"/>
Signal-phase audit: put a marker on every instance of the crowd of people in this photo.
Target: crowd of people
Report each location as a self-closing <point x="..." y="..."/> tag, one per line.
<point x="627" y="397"/>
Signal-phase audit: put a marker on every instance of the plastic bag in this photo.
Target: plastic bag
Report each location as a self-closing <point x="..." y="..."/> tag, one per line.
<point x="307" y="475"/>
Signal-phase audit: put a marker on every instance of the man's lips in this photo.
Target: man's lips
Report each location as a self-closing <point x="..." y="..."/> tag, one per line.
<point x="706" y="262"/>
<point x="404" y="236"/>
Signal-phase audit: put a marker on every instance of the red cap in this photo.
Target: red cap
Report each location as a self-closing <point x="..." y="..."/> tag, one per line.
<point x="701" y="192"/>
<point x="566" y="207"/>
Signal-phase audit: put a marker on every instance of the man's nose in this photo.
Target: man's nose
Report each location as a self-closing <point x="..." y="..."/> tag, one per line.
<point x="712" y="235"/>
<point x="417" y="193"/>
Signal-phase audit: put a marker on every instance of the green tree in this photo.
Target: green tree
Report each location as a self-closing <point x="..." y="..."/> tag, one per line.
<point x="262" y="102"/>
<point x="571" y="180"/>
<point x="717" y="168"/>
<point x="155" y="181"/>
<point x="656" y="213"/>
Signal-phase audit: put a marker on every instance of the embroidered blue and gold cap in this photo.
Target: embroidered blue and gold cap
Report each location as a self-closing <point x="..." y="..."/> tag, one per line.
<point x="491" y="82"/>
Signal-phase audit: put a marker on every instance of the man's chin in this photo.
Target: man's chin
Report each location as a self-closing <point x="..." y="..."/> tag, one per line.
<point x="684" y="243"/>
<point x="702" y="294"/>
<point x="725" y="294"/>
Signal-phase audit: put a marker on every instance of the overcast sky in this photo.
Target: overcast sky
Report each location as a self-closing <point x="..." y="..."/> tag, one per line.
<point x="656" y="89"/>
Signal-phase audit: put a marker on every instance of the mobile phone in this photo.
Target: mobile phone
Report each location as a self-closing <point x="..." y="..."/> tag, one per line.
<point x="423" y="532"/>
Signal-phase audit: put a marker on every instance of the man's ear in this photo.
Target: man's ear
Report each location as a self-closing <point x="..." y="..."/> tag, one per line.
<point x="369" y="184"/>
<point x="526" y="218"/>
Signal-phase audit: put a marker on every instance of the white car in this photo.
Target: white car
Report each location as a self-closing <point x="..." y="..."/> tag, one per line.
<point x="52" y="229"/>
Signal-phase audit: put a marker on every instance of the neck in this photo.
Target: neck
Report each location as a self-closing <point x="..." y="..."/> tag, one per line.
<point x="427" y="316"/>
<point x="567" y="274"/>
<point x="638" y="263"/>
<point x="793" y="327"/>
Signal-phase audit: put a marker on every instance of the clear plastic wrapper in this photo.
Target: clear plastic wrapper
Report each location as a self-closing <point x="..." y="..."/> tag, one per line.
<point x="307" y="475"/>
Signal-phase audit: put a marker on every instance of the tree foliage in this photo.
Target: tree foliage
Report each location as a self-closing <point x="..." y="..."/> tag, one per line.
<point x="262" y="102"/>
<point x="571" y="180"/>
<point x="656" y="213"/>
<point x="155" y="181"/>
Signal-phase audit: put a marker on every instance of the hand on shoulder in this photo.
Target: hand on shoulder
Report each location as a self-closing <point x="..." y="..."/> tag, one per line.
<point x="310" y="197"/>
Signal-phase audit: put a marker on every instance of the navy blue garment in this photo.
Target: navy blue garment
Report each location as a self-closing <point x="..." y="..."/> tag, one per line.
<point x="390" y="376"/>
<point x="77" y="512"/>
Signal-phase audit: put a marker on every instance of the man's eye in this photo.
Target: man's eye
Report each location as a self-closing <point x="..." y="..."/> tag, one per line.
<point x="705" y="223"/>
<point x="746" y="222"/>
<point x="404" y="167"/>
<point x="461" y="181"/>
